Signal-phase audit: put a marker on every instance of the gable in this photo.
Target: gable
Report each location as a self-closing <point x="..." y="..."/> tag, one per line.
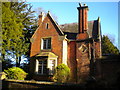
<point x="93" y="29"/>
<point x="48" y="20"/>
<point x="48" y="28"/>
<point x="55" y="24"/>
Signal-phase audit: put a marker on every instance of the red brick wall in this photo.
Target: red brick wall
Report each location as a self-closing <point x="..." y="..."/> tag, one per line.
<point x="42" y="32"/>
<point x="85" y="11"/>
<point x="108" y="68"/>
<point x="80" y="20"/>
<point x="83" y="23"/>
<point x="97" y="49"/>
<point x="35" y="48"/>
<point x="82" y="36"/>
<point x="83" y="62"/>
<point x="72" y="64"/>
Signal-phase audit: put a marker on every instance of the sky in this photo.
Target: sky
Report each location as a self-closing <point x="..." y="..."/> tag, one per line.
<point x="67" y="12"/>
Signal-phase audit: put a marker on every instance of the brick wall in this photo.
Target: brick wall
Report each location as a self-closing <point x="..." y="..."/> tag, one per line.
<point x="110" y="68"/>
<point x="72" y="60"/>
<point x="42" y="32"/>
<point x="83" y="62"/>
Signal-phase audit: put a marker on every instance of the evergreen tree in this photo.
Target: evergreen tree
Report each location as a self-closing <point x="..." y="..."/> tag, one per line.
<point x="17" y="23"/>
<point x="11" y="28"/>
<point x="24" y="12"/>
<point x="108" y="47"/>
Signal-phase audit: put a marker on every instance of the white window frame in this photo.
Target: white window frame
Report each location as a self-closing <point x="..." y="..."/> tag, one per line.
<point x="47" y="43"/>
<point x="48" y="66"/>
<point x="83" y="48"/>
<point x="42" y="67"/>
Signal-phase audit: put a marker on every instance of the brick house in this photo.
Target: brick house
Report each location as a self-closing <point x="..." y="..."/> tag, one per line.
<point x="51" y="45"/>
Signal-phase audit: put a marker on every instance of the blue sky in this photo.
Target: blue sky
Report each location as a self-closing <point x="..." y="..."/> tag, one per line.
<point x="67" y="12"/>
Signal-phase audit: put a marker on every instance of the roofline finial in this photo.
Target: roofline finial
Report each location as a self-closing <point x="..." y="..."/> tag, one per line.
<point x="80" y="4"/>
<point x="99" y="19"/>
<point x="48" y="11"/>
<point x="42" y="13"/>
<point x="85" y="4"/>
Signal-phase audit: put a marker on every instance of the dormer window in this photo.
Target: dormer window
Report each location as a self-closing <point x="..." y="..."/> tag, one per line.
<point x="47" y="25"/>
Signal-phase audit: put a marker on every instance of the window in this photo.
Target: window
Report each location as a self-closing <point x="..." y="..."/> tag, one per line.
<point x="83" y="48"/>
<point x="46" y="44"/>
<point x="47" y="26"/>
<point x="45" y="66"/>
<point x="51" y="66"/>
<point x="42" y="67"/>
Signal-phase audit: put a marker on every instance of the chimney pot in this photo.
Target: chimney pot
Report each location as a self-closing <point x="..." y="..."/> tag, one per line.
<point x="41" y="17"/>
<point x="84" y="4"/>
<point x="83" y="23"/>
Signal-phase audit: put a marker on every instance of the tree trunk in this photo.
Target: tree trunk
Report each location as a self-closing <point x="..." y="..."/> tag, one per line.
<point x="3" y="56"/>
<point x="18" y="60"/>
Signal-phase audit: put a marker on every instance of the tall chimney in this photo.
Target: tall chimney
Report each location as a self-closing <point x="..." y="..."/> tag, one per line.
<point x="83" y="23"/>
<point x="41" y="17"/>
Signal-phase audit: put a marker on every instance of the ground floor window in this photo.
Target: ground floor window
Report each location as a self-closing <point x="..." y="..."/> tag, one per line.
<point x="42" y="67"/>
<point x="45" y="66"/>
<point x="51" y="66"/>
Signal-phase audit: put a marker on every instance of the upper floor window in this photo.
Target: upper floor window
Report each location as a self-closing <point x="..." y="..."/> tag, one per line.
<point x="46" y="43"/>
<point x="47" y="25"/>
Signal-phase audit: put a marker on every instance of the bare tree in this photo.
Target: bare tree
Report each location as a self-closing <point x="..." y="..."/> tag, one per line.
<point x="40" y="9"/>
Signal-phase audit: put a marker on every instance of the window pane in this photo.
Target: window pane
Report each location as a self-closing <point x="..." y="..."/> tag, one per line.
<point x="49" y="43"/>
<point x="40" y="70"/>
<point x="52" y="67"/>
<point x="44" y="43"/>
<point x="44" y="70"/>
<point x="42" y="67"/>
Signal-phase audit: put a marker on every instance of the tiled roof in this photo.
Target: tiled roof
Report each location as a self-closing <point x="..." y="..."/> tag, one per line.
<point x="72" y="29"/>
<point x="93" y="29"/>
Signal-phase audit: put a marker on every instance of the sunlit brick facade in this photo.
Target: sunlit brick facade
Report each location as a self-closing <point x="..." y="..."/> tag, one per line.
<point x="51" y="46"/>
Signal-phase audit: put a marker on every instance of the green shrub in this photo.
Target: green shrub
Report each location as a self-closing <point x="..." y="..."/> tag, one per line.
<point x="62" y="73"/>
<point x="15" y="73"/>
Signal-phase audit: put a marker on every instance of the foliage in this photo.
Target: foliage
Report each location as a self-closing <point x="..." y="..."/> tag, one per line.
<point x="11" y="28"/>
<point x="17" y="28"/>
<point x="62" y="73"/>
<point x="108" y="47"/>
<point x="15" y="73"/>
<point x="6" y="64"/>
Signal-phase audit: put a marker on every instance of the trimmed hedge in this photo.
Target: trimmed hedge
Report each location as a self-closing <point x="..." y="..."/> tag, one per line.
<point x="15" y="73"/>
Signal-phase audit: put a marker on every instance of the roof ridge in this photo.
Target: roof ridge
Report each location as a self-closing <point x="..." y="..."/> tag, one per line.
<point x="55" y="23"/>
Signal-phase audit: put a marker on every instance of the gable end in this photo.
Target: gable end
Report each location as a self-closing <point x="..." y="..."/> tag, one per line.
<point x="55" y="25"/>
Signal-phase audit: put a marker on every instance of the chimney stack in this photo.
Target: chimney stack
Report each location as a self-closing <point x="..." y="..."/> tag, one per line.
<point x="82" y="19"/>
<point x="41" y="17"/>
